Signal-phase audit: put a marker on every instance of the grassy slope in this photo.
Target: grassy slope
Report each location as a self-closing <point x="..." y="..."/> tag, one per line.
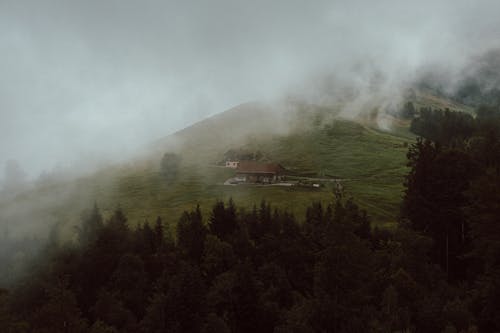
<point x="372" y="162"/>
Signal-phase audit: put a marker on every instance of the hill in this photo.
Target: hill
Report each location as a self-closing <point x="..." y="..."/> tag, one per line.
<point x="310" y="141"/>
<point x="369" y="162"/>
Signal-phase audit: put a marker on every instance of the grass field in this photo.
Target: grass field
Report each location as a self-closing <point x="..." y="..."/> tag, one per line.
<point x="370" y="162"/>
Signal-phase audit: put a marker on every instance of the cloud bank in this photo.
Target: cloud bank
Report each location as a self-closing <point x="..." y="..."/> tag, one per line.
<point x="85" y="80"/>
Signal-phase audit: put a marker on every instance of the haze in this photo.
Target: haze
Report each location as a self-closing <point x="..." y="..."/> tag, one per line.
<point x="85" y="81"/>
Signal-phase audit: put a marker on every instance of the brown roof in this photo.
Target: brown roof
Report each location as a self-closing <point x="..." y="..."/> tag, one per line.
<point x="257" y="167"/>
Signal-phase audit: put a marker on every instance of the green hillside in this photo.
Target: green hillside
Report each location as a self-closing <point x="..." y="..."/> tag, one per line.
<point x="371" y="164"/>
<point x="308" y="141"/>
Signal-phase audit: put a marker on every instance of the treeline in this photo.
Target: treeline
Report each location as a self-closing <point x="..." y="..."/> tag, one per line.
<point x="254" y="271"/>
<point x="261" y="270"/>
<point x="453" y="128"/>
<point x="453" y="196"/>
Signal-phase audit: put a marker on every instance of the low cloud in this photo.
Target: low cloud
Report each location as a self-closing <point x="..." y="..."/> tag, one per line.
<point x="98" y="79"/>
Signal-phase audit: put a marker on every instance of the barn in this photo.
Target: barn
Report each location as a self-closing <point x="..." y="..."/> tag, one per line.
<point x="257" y="172"/>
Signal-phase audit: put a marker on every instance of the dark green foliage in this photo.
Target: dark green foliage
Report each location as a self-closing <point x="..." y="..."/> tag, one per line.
<point x="218" y="257"/>
<point x="262" y="271"/>
<point x="155" y="320"/>
<point x="245" y="272"/>
<point x="444" y="127"/>
<point x="159" y="241"/>
<point x="169" y="166"/>
<point x="91" y="225"/>
<point x="100" y="327"/>
<point x="223" y="221"/>
<point x="488" y="121"/>
<point x="453" y="197"/>
<point x="483" y="213"/>
<point x="110" y="310"/>
<point x="8" y="321"/>
<point x="408" y="111"/>
<point x="185" y="307"/>
<point x="130" y="272"/>
<point x="244" y="310"/>
<point x="473" y="92"/>
<point x="215" y="324"/>
<point x="342" y="277"/>
<point x="191" y="234"/>
<point x="177" y="305"/>
<point x="435" y="193"/>
<point x="60" y="312"/>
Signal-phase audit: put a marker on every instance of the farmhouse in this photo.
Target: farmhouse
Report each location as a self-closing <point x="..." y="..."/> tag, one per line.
<point x="256" y="172"/>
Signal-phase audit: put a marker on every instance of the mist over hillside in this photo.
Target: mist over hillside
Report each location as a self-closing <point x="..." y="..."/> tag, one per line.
<point x="476" y="83"/>
<point x="249" y="166"/>
<point x="92" y="93"/>
<point x="89" y="82"/>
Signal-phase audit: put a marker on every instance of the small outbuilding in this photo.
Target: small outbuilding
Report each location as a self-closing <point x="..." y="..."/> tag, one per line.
<point x="232" y="164"/>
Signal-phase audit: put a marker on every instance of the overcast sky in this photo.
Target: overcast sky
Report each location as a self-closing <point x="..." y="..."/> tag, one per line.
<point x="92" y="78"/>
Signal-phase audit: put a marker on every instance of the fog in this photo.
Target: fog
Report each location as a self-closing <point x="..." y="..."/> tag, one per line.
<point x="87" y="81"/>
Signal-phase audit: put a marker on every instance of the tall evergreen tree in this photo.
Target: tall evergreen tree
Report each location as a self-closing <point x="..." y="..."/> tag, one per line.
<point x="191" y="234"/>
